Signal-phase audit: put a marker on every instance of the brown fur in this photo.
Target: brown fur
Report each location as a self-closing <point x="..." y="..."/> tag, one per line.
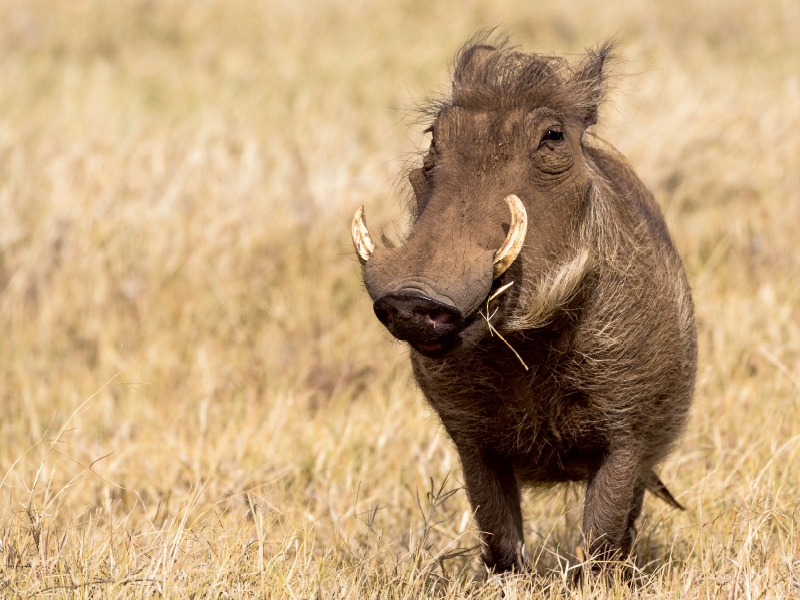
<point x="600" y="310"/>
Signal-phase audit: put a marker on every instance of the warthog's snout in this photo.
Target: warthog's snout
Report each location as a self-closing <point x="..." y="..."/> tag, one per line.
<point x="429" y="291"/>
<point x="411" y="316"/>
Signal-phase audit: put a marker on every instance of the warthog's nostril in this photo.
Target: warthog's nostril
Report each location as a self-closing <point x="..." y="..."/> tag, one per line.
<point x="440" y="317"/>
<point x="384" y="316"/>
<point x="412" y="316"/>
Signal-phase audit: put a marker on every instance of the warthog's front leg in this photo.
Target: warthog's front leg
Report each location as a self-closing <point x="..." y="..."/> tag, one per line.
<point x="614" y="496"/>
<point x="495" y="498"/>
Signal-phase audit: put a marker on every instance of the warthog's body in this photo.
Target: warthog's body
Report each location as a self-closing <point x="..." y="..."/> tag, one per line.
<point x="599" y="311"/>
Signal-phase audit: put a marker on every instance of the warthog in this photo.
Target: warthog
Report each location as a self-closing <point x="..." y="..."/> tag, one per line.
<point x="549" y="318"/>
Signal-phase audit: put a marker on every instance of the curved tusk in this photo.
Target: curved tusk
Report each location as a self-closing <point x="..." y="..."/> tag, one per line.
<point x="361" y="239"/>
<point x="510" y="249"/>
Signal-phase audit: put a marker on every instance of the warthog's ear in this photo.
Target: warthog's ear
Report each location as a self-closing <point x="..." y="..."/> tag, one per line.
<point x="475" y="65"/>
<point x="591" y="77"/>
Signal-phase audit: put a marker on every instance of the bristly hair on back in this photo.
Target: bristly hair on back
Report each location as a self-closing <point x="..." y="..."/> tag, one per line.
<point x="488" y="73"/>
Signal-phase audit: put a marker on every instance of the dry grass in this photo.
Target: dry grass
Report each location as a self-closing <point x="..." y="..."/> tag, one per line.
<point x="176" y="180"/>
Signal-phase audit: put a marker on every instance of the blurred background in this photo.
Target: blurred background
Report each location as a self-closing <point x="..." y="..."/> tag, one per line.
<point x="196" y="396"/>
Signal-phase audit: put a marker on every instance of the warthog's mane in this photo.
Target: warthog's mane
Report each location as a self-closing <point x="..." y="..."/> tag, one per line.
<point x="509" y="78"/>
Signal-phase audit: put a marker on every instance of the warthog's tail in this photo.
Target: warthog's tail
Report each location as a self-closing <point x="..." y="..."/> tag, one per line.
<point x="659" y="490"/>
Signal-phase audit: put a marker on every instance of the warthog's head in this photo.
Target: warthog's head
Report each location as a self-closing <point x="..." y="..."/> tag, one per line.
<point x="500" y="197"/>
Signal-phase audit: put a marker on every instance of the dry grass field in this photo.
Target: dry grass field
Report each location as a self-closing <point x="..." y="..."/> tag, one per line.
<point x="196" y="398"/>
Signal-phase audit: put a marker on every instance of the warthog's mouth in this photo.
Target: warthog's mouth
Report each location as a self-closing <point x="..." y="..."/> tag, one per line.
<point x="443" y="347"/>
<point x="476" y="327"/>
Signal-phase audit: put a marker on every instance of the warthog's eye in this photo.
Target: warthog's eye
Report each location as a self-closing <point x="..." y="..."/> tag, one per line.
<point x="430" y="158"/>
<point x="552" y="135"/>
